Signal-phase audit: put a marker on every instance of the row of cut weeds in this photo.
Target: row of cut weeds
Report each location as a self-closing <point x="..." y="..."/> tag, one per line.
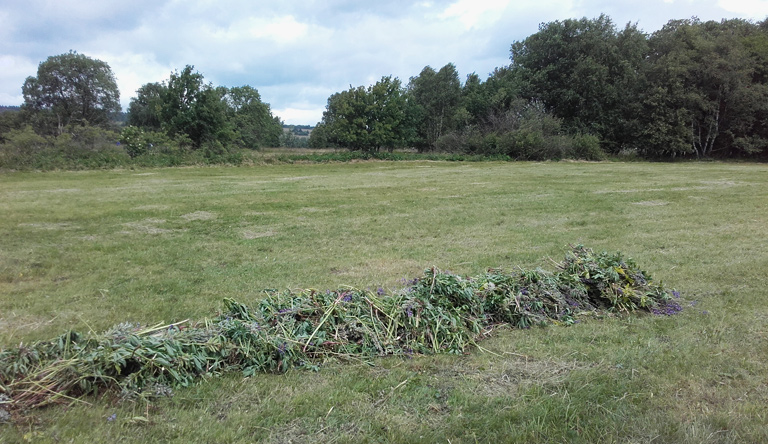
<point x="439" y="312"/>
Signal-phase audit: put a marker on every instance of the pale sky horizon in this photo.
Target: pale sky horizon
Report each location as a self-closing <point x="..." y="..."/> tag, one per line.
<point x="298" y="53"/>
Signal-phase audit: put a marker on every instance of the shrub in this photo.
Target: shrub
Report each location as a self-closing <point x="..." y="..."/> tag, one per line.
<point x="78" y="147"/>
<point x="138" y="142"/>
<point x="450" y="143"/>
<point x="21" y="147"/>
<point x="587" y="147"/>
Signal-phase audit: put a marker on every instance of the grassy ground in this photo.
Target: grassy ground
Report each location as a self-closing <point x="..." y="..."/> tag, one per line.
<point x="87" y="250"/>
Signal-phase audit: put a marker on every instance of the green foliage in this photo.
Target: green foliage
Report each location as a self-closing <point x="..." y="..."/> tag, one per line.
<point x="70" y="89"/>
<point x="319" y="138"/>
<point x="586" y="72"/>
<point x="9" y="121"/>
<point x="211" y="118"/>
<point x="78" y="147"/>
<point x="587" y="147"/>
<point x="435" y="98"/>
<point x="367" y="119"/>
<point x="194" y="108"/>
<point x="707" y="91"/>
<point x="524" y="132"/>
<point x="437" y="313"/>
<point x="251" y="119"/>
<point x="138" y="142"/>
<point x="144" y="109"/>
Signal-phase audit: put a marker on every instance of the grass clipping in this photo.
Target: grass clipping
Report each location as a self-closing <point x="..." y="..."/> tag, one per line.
<point x="438" y="312"/>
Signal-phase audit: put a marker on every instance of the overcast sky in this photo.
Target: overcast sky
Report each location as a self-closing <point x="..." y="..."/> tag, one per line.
<point x="298" y="53"/>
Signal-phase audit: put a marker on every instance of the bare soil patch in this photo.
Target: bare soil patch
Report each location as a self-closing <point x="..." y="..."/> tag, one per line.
<point x="199" y="215"/>
<point x="255" y="234"/>
<point x="651" y="203"/>
<point x="147" y="226"/>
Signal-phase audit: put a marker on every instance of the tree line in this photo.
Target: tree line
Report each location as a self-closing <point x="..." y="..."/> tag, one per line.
<point x="71" y="115"/>
<point x="580" y="88"/>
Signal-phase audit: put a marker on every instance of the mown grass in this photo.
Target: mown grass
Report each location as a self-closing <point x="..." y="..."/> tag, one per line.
<point x="87" y="250"/>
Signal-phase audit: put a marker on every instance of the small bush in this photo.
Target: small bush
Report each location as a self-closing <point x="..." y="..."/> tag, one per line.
<point x="22" y="147"/>
<point x="450" y="143"/>
<point x="78" y="147"/>
<point x="587" y="147"/>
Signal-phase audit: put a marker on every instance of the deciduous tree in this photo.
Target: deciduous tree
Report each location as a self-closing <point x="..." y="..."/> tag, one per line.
<point x="194" y="108"/>
<point x="251" y="119"/>
<point x="436" y="96"/>
<point x="367" y="119"/>
<point x="585" y="72"/>
<point x="70" y="89"/>
<point x="144" y="109"/>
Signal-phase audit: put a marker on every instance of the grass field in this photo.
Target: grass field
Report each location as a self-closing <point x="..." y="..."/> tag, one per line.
<point x="87" y="250"/>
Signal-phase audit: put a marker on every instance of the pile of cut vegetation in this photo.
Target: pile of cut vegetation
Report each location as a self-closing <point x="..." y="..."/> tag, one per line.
<point x="439" y="312"/>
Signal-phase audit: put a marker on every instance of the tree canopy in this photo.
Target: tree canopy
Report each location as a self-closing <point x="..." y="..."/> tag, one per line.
<point x="70" y="89"/>
<point x="186" y="105"/>
<point x="369" y="118"/>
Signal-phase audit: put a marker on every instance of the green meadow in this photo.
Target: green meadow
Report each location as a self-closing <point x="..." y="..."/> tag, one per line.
<point x="90" y="249"/>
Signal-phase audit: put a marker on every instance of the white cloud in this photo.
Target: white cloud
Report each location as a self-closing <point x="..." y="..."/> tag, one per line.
<point x="281" y="30"/>
<point x="473" y="13"/>
<point x="297" y="116"/>
<point x="13" y="71"/>
<point x="754" y="9"/>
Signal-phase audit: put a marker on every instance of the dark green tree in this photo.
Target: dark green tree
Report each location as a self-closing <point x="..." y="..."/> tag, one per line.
<point x="367" y="119"/>
<point x="10" y="121"/>
<point x="144" y="109"/>
<point x="70" y="89"/>
<point x="475" y="102"/>
<point x="319" y="138"/>
<point x="435" y="96"/>
<point x="706" y="90"/>
<point x="195" y="109"/>
<point x="251" y="119"/>
<point x="587" y="73"/>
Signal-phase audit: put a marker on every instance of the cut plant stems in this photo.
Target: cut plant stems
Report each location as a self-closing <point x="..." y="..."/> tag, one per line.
<point x="439" y="312"/>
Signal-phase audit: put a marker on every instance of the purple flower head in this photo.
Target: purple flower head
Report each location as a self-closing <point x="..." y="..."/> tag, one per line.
<point x="284" y="310"/>
<point x="524" y="292"/>
<point x="347" y="297"/>
<point x="112" y="417"/>
<point x="411" y="282"/>
<point x="409" y="311"/>
<point x="667" y="308"/>
<point x="281" y="348"/>
<point x="380" y="291"/>
<point x="676" y="294"/>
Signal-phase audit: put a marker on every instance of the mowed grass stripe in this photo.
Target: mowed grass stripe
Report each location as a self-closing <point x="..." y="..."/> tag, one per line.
<point x="91" y="249"/>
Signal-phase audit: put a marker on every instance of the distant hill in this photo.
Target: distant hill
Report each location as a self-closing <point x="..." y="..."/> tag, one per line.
<point x="4" y="108"/>
<point x="299" y="130"/>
